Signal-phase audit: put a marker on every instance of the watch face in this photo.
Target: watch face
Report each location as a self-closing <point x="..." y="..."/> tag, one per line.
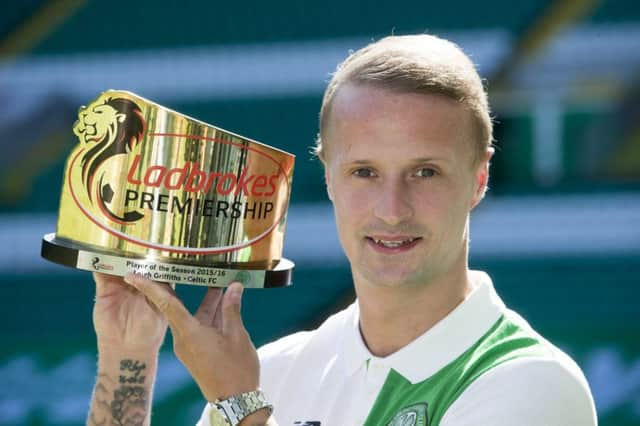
<point x="217" y="419"/>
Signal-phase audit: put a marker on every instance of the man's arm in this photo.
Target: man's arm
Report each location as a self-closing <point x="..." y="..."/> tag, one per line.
<point x="122" y="394"/>
<point x="129" y="334"/>
<point x="213" y="344"/>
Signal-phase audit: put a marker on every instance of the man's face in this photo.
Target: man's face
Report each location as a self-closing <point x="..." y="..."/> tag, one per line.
<point x="399" y="172"/>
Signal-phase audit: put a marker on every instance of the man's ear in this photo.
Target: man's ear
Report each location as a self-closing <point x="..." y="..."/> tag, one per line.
<point x="327" y="182"/>
<point x="482" y="177"/>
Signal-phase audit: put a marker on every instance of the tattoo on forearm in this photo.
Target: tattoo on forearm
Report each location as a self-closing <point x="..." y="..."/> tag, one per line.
<point x="128" y="405"/>
<point x="132" y="371"/>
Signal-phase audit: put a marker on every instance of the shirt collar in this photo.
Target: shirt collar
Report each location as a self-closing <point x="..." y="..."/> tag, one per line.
<point x="438" y="346"/>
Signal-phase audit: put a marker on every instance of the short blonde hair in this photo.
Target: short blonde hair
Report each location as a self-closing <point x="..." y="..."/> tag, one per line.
<point x="415" y="64"/>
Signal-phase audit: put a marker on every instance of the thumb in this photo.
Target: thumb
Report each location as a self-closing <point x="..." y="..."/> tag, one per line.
<point x="231" y="307"/>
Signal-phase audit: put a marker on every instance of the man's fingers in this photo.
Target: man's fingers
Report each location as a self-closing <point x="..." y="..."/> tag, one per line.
<point x="209" y="306"/>
<point x="231" y="306"/>
<point x="217" y="319"/>
<point x="102" y="287"/>
<point x="164" y="300"/>
<point x="107" y="284"/>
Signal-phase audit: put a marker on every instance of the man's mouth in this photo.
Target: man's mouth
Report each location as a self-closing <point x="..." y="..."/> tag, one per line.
<point x="395" y="243"/>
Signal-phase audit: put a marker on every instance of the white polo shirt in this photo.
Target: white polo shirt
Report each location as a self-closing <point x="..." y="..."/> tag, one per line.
<point x="329" y="377"/>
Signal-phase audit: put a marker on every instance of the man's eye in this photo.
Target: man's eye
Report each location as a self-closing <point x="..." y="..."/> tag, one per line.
<point x="426" y="172"/>
<point x="364" y="173"/>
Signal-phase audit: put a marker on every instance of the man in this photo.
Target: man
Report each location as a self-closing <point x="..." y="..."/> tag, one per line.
<point x="405" y="139"/>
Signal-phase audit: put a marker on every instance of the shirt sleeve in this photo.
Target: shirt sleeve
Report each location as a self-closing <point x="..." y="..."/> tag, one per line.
<point x="204" y="417"/>
<point x="526" y="392"/>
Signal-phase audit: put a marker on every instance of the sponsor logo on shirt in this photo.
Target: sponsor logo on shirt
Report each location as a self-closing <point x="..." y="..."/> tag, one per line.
<point x="413" y="415"/>
<point x="307" y="423"/>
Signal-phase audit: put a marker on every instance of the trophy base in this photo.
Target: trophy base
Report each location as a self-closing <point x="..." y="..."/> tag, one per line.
<point x="90" y="259"/>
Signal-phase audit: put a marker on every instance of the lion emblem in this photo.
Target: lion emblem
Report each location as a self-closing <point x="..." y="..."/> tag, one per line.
<point x="108" y="127"/>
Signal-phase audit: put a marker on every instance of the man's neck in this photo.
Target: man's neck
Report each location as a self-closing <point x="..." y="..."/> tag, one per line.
<point x="393" y="317"/>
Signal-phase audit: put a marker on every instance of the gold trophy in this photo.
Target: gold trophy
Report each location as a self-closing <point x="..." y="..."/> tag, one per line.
<point x="152" y="191"/>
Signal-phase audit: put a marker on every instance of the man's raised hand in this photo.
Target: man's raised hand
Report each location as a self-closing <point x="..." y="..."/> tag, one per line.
<point x="124" y="320"/>
<point x="130" y="331"/>
<point x="213" y="344"/>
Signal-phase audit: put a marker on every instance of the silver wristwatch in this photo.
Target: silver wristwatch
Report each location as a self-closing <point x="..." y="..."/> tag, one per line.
<point x="231" y="411"/>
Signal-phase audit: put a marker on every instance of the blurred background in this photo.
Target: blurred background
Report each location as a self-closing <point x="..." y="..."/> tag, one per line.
<point x="559" y="231"/>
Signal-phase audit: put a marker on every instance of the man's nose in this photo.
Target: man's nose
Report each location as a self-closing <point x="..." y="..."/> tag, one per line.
<point x="394" y="204"/>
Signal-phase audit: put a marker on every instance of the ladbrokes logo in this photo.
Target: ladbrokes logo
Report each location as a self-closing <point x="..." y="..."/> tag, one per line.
<point x="192" y="180"/>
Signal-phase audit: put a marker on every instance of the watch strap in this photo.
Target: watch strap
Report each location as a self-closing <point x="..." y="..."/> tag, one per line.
<point x="237" y="407"/>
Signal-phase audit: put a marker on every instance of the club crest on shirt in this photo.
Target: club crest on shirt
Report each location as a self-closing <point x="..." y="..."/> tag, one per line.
<point x="413" y="415"/>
